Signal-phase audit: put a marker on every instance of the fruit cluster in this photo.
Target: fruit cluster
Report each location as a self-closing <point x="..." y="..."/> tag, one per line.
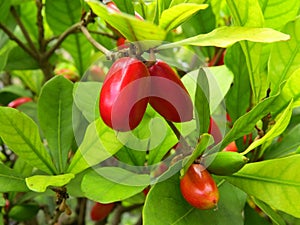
<point x="130" y="85"/>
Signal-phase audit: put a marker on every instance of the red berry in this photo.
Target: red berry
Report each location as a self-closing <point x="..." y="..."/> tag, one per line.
<point x="121" y="43"/>
<point x="101" y="211"/>
<point x="214" y="131"/>
<point x="198" y="188"/>
<point x="231" y="147"/>
<point x="169" y="97"/>
<point x="19" y="101"/>
<point x="68" y="74"/>
<point x="125" y="94"/>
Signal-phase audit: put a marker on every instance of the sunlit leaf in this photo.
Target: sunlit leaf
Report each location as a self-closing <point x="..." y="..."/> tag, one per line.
<point x="227" y="36"/>
<point x="39" y="183"/>
<point x="275" y="182"/>
<point x="21" y="135"/>
<point x="176" y="15"/>
<point x="54" y="112"/>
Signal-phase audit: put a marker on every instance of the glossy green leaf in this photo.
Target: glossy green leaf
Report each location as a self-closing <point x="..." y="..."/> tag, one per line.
<point x="226" y="36"/>
<point x="130" y="27"/>
<point x="11" y="180"/>
<point x="39" y="183"/>
<point x="18" y="59"/>
<point x="275" y="182"/>
<point x="99" y="143"/>
<point x="122" y="185"/>
<point x="289" y="144"/>
<point x="290" y="90"/>
<point x="245" y="124"/>
<point x="248" y="14"/>
<point x="202" y="102"/>
<point x="60" y="15"/>
<point x="176" y="15"/>
<point x="55" y="118"/>
<point x="280" y="125"/>
<point x="238" y="97"/>
<point x="21" y="135"/>
<point x="277" y="13"/>
<point x="28" y="12"/>
<point x="173" y="209"/>
<point x="285" y="57"/>
<point x="86" y="96"/>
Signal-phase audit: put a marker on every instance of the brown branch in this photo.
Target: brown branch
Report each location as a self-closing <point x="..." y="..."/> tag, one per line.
<point x="62" y="37"/>
<point x="17" y="40"/>
<point x="40" y="25"/>
<point x="24" y="31"/>
<point x="94" y="42"/>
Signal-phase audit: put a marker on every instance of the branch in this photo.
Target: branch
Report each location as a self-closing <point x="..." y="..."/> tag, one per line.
<point x="120" y="210"/>
<point x="24" y="31"/>
<point x="104" y="34"/>
<point x="93" y="41"/>
<point x="17" y="40"/>
<point x="40" y="25"/>
<point x="62" y="37"/>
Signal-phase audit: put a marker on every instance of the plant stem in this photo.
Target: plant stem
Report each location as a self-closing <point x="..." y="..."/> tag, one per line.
<point x="93" y="41"/>
<point x="24" y="31"/>
<point x="17" y="40"/>
<point x="120" y="210"/>
<point x="40" y="25"/>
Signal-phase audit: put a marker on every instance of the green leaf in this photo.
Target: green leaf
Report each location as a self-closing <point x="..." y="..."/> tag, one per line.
<point x="39" y="183"/>
<point x="290" y="90"/>
<point x="238" y="97"/>
<point x="176" y="15"/>
<point x="130" y="27"/>
<point x="86" y="96"/>
<point x="289" y="144"/>
<point x="18" y="59"/>
<point x="202" y="102"/>
<point x="125" y="6"/>
<point x="11" y="180"/>
<point x="226" y="36"/>
<point x="278" y="13"/>
<point x="274" y="216"/>
<point x="23" y="212"/>
<point x="60" y="15"/>
<point x="55" y="118"/>
<point x="99" y="143"/>
<point x="252" y="217"/>
<point x="276" y="182"/>
<point x="173" y="209"/>
<point x="21" y="135"/>
<point x="122" y="185"/>
<point x="32" y="78"/>
<point x="4" y="9"/>
<point x="285" y="57"/>
<point x="11" y="92"/>
<point x="245" y="124"/>
<point x="280" y="125"/>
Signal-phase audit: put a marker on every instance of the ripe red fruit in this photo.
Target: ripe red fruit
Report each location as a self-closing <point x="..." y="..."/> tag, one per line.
<point x="19" y="101"/>
<point x="231" y="147"/>
<point x="169" y="97"/>
<point x="214" y="130"/>
<point x="121" y="43"/>
<point x="125" y="94"/>
<point x="199" y="188"/>
<point x="101" y="211"/>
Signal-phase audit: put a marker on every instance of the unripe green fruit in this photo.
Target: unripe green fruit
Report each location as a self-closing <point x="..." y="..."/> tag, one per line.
<point x="224" y="163"/>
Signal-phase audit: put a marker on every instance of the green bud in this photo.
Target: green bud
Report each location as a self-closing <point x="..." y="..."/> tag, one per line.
<point x="224" y="163"/>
